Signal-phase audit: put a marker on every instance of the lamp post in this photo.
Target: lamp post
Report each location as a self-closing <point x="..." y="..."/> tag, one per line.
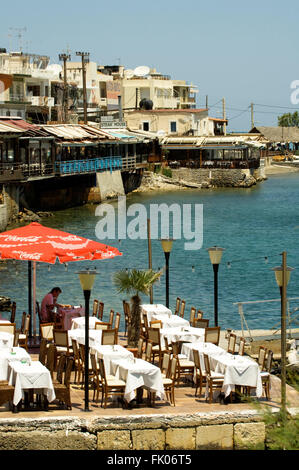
<point x="167" y="246"/>
<point x="282" y="276"/>
<point x="87" y="278"/>
<point x="215" y="253"/>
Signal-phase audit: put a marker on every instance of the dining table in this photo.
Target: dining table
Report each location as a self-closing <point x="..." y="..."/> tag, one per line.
<point x="237" y="370"/>
<point x="68" y="313"/>
<point x="79" y="323"/>
<point x="9" y="355"/>
<point x="183" y="334"/>
<point x="138" y="373"/>
<point x="78" y="334"/>
<point x="174" y="321"/>
<point x="155" y="309"/>
<point x="109" y="353"/>
<point x="26" y="376"/>
<point x="6" y="339"/>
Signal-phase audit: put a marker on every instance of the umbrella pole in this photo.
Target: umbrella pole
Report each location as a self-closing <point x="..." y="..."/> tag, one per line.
<point x="30" y="295"/>
<point x="34" y="302"/>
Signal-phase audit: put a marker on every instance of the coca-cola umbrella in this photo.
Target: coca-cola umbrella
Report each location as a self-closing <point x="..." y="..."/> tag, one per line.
<point x="37" y="243"/>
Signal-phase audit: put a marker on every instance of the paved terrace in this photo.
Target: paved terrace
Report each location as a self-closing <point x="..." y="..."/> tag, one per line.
<point x="186" y="402"/>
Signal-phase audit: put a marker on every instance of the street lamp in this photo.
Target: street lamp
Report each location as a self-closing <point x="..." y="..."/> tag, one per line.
<point x="167" y="246"/>
<point x="215" y="253"/>
<point x="282" y="276"/>
<point x="87" y="278"/>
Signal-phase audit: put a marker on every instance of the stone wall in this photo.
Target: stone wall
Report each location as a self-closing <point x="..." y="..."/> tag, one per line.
<point x="217" y="430"/>
<point x="217" y="177"/>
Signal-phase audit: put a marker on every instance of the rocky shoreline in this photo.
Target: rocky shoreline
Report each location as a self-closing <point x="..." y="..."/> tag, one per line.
<point x="157" y="181"/>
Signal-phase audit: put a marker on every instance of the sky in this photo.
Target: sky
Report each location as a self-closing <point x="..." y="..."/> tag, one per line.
<point x="243" y="52"/>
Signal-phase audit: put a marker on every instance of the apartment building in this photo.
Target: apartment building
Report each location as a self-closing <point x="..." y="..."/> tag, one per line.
<point x="25" y="88"/>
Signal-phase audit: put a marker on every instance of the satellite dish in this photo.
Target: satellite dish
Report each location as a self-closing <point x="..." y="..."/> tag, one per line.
<point x="141" y="71"/>
<point x="161" y="133"/>
<point x="129" y="73"/>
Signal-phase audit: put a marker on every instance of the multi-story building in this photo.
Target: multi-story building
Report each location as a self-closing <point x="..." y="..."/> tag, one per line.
<point x="29" y="92"/>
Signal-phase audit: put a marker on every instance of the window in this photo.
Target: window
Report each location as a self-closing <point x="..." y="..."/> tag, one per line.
<point x="173" y="126"/>
<point x="145" y="126"/>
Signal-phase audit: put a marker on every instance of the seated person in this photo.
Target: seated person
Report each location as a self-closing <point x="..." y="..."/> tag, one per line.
<point x="48" y="313"/>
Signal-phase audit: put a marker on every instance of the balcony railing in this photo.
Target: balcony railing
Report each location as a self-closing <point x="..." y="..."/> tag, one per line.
<point x="75" y="167"/>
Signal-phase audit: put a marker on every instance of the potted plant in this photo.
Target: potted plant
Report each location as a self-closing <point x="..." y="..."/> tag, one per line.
<point x="134" y="282"/>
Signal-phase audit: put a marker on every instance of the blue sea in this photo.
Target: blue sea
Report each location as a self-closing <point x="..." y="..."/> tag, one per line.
<point x="254" y="225"/>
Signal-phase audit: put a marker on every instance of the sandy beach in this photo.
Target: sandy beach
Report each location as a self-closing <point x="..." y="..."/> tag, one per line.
<point x="279" y="169"/>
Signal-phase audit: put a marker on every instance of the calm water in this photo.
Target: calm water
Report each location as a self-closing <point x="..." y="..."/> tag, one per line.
<point x="251" y="224"/>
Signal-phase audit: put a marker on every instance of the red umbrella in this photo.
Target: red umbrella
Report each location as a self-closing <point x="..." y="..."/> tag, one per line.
<point x="34" y="242"/>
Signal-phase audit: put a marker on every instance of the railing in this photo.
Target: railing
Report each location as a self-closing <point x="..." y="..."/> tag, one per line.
<point x="20" y="171"/>
<point x="210" y="164"/>
<point x="74" y="167"/>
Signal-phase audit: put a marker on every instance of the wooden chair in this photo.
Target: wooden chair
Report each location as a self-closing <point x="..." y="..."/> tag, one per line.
<point x="21" y="329"/>
<point x="212" y="335"/>
<point x="199" y="314"/>
<point x="77" y="361"/>
<point x="154" y="337"/>
<point x="148" y="352"/>
<point x="200" y="374"/>
<point x="6" y="394"/>
<point x="262" y="357"/>
<point x="23" y="334"/>
<point x="60" y="369"/>
<point x="242" y="344"/>
<point x="13" y="312"/>
<point x="51" y="358"/>
<point x="61" y="341"/>
<point x="111" y="386"/>
<point x="127" y="315"/>
<point x="82" y="358"/>
<point x="192" y="316"/>
<point x="8" y="328"/>
<point x="109" y="336"/>
<point x="201" y="323"/>
<point x="185" y="367"/>
<point x="111" y="317"/>
<point x="168" y="346"/>
<point x="46" y="331"/>
<point x="43" y="351"/>
<point x="170" y="381"/>
<point x="102" y="325"/>
<point x="116" y="326"/>
<point x="101" y="311"/>
<point x="156" y="323"/>
<point x="62" y="390"/>
<point x="231" y="346"/>
<point x="144" y="328"/>
<point x="214" y="380"/>
<point x="165" y="364"/>
<point x="16" y="338"/>
<point x="177" y="306"/>
<point x="96" y="381"/>
<point x="265" y="374"/>
<point x="95" y="308"/>
<point x="140" y="348"/>
<point x="182" y="309"/>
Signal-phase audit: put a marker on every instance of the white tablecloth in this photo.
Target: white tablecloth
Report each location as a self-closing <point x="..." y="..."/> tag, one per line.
<point x="7" y="357"/>
<point x="68" y="314"/>
<point x="3" y="320"/>
<point x="35" y="376"/>
<point x="109" y="353"/>
<point x="171" y="322"/>
<point x="155" y="309"/>
<point x="6" y="339"/>
<point x="237" y="370"/>
<point x="136" y="373"/>
<point x="186" y="334"/>
<point x="80" y="322"/>
<point x="78" y="334"/>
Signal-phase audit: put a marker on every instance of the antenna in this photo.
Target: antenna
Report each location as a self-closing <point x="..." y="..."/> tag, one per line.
<point x="18" y="32"/>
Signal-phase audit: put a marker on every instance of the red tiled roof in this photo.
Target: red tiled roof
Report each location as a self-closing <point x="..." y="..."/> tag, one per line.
<point x="19" y="123"/>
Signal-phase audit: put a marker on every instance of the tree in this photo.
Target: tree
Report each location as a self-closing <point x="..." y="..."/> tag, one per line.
<point x="134" y="282"/>
<point x="289" y="120"/>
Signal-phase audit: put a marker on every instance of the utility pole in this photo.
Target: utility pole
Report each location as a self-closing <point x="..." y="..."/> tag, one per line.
<point x="252" y="119"/>
<point x="224" y="115"/>
<point x="85" y="60"/>
<point x="207" y="105"/>
<point x="64" y="58"/>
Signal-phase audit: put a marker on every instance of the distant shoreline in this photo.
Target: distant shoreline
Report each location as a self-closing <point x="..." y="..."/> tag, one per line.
<point x="280" y="169"/>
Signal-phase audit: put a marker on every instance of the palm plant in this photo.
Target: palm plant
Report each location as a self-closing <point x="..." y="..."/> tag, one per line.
<point x="134" y="282"/>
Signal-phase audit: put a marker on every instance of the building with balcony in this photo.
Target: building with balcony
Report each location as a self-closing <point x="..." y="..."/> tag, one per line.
<point x="28" y="95"/>
<point x="159" y="89"/>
